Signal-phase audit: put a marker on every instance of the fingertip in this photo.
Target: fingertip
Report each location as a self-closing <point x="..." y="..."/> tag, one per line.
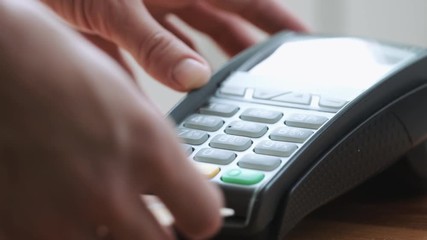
<point x="189" y="74"/>
<point x="210" y="219"/>
<point x="215" y="223"/>
<point x="162" y="55"/>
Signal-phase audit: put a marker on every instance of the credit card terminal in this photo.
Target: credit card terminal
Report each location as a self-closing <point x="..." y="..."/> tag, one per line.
<point x="298" y="120"/>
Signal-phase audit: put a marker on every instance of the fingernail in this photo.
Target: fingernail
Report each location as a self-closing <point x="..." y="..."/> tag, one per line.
<point x="191" y="74"/>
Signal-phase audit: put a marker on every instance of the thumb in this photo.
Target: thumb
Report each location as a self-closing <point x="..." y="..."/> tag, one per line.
<point x="159" y="52"/>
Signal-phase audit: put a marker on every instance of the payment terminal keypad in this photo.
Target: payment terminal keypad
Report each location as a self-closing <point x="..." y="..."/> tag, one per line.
<point x="245" y="136"/>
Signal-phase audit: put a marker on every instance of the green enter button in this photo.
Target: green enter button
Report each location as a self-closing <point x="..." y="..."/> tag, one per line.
<point x="241" y="176"/>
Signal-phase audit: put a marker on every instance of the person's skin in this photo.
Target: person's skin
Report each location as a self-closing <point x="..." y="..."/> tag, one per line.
<point x="141" y="27"/>
<point x="79" y="142"/>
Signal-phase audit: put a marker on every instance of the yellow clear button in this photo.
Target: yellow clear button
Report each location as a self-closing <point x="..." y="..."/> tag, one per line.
<point x="209" y="171"/>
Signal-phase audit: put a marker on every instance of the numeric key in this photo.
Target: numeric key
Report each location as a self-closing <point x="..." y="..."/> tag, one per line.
<point x="219" y="109"/>
<point x="259" y="162"/>
<point x="290" y="134"/>
<point x="216" y="156"/>
<point x="193" y="137"/>
<point x="261" y="115"/>
<point x="203" y="122"/>
<point x="306" y="120"/>
<point x="279" y="149"/>
<point x="246" y="129"/>
<point x="229" y="142"/>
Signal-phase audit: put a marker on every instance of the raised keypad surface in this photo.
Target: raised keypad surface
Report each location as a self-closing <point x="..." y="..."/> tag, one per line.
<point x="218" y="109"/>
<point x="229" y="142"/>
<point x="259" y="162"/>
<point x="233" y="91"/>
<point x="306" y="121"/>
<point x="217" y="156"/>
<point x="275" y="148"/>
<point x="295" y="97"/>
<point x="261" y="115"/>
<point x="241" y="176"/>
<point x="208" y="171"/>
<point x="194" y="137"/>
<point x="331" y="103"/>
<point x="247" y="129"/>
<point x="204" y="122"/>
<point x="187" y="149"/>
<point x="291" y="134"/>
<point x="240" y="142"/>
<point x="267" y="94"/>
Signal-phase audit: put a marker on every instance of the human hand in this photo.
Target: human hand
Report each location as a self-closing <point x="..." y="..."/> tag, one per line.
<point x="141" y="27"/>
<point x="79" y="143"/>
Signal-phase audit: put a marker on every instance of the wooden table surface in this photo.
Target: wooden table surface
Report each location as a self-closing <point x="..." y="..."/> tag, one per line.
<point x="379" y="210"/>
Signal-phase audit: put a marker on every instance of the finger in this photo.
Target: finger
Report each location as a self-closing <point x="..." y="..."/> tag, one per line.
<point x="164" y="19"/>
<point x="44" y="223"/>
<point x="161" y="54"/>
<point x="269" y="15"/>
<point x="111" y="49"/>
<point x="67" y="230"/>
<point x="188" y="190"/>
<point x="133" y="220"/>
<point x="227" y="30"/>
<point x="174" y="179"/>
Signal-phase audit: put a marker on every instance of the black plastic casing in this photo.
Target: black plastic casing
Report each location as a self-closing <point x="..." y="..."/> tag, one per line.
<point x="371" y="133"/>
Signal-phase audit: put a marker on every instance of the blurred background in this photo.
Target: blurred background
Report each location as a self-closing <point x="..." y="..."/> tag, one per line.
<point x="401" y="21"/>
